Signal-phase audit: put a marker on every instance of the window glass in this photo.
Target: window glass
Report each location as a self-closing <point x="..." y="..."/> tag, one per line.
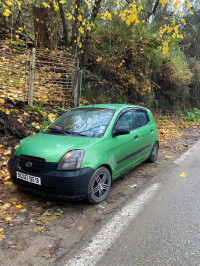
<point x="89" y="122"/>
<point x="142" y="118"/>
<point x="126" y="119"/>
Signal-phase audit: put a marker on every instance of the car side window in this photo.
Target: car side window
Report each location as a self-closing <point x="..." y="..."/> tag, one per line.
<point x="142" y="118"/>
<point x="126" y="119"/>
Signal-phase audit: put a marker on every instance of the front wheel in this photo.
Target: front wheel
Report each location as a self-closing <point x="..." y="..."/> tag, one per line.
<point x="99" y="185"/>
<point x="154" y="153"/>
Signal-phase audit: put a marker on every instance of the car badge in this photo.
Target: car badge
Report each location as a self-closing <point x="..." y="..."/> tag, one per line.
<point x="28" y="164"/>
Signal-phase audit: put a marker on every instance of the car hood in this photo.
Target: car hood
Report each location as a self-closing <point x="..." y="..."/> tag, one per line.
<point x="52" y="147"/>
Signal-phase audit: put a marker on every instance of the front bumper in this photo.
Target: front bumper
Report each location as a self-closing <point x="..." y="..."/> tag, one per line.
<point x="70" y="185"/>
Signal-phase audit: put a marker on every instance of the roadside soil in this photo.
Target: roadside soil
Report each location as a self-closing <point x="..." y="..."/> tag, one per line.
<point x="39" y="231"/>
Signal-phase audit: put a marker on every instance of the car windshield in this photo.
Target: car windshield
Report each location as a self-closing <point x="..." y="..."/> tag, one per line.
<point x="88" y="122"/>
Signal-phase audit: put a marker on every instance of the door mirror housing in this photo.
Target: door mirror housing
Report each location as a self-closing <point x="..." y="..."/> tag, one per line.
<point x="121" y="130"/>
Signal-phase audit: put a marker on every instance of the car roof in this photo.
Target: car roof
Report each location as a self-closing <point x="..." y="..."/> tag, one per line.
<point x="110" y="106"/>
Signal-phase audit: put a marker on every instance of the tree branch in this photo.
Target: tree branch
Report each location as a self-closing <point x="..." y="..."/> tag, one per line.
<point x="153" y="9"/>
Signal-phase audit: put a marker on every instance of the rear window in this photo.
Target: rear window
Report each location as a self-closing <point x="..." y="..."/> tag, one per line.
<point x="142" y="118"/>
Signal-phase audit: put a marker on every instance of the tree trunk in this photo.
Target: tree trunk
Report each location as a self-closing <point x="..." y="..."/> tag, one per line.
<point x="64" y="23"/>
<point x="88" y="38"/>
<point x="75" y="27"/>
<point x="42" y="37"/>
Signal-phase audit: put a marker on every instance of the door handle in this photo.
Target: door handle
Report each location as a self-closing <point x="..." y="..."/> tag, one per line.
<point x="136" y="137"/>
<point x="151" y="130"/>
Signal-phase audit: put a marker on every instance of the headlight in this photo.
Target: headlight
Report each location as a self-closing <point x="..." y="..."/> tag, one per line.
<point x="71" y="160"/>
<point x="13" y="151"/>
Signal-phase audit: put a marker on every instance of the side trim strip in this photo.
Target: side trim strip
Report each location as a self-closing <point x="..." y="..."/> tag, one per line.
<point x="133" y="154"/>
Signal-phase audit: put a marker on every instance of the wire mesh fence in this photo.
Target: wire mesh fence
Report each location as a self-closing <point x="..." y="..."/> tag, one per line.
<point x="50" y="74"/>
<point x="55" y="74"/>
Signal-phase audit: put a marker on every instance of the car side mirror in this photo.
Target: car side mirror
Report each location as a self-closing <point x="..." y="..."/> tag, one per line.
<point x="121" y="130"/>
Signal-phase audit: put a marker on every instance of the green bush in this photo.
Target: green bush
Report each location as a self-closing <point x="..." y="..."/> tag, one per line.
<point x="194" y="115"/>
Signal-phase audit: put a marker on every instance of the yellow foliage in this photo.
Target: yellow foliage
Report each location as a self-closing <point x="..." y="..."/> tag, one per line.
<point x="89" y="27"/>
<point x="80" y="18"/>
<point x="188" y="7"/>
<point x="46" y="5"/>
<point x="165" y="47"/>
<point x="87" y="3"/>
<point x="183" y="21"/>
<point x="107" y="16"/>
<point x="163" y="2"/>
<point x="99" y="59"/>
<point x="6" y="13"/>
<point x="140" y="8"/>
<point x="81" y="30"/>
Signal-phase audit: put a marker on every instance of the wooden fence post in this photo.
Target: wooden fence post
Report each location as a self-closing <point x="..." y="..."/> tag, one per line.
<point x="77" y="89"/>
<point x="31" y="77"/>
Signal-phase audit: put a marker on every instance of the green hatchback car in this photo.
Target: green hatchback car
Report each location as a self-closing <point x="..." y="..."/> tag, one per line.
<point x="83" y="151"/>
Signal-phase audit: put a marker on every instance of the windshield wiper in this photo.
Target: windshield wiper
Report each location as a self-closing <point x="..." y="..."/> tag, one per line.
<point x="77" y="133"/>
<point x="58" y="130"/>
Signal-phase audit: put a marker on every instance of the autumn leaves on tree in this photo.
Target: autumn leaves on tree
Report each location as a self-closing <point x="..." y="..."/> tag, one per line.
<point x="74" y="21"/>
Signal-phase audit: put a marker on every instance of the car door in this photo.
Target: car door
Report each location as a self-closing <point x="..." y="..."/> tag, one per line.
<point x="146" y="131"/>
<point x="126" y="147"/>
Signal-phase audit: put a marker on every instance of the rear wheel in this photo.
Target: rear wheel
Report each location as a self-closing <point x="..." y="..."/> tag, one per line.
<point x="99" y="185"/>
<point x="154" y="153"/>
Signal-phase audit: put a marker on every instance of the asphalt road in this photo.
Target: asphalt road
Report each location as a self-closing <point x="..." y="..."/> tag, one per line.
<point x="167" y="230"/>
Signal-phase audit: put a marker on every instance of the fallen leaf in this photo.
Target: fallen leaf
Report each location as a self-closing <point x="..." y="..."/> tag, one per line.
<point x="6" y="206"/>
<point x="19" y="245"/>
<point x="2" y="101"/>
<point x="46" y="253"/>
<point x="8" y="219"/>
<point x="19" y="206"/>
<point x="17" y="221"/>
<point x="80" y="228"/>
<point x="40" y="229"/>
<point x="2" y="236"/>
<point x="168" y="157"/>
<point x="183" y="175"/>
<point x="7" y="152"/>
<point x="8" y="183"/>
<point x="32" y="214"/>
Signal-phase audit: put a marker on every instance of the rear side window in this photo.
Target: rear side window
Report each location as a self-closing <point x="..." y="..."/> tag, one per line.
<point x="142" y="118"/>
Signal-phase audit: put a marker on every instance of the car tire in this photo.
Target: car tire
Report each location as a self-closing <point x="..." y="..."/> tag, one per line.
<point x="99" y="185"/>
<point x="154" y="153"/>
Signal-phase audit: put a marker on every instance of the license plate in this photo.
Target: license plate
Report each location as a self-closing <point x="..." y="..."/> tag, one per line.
<point x="29" y="178"/>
